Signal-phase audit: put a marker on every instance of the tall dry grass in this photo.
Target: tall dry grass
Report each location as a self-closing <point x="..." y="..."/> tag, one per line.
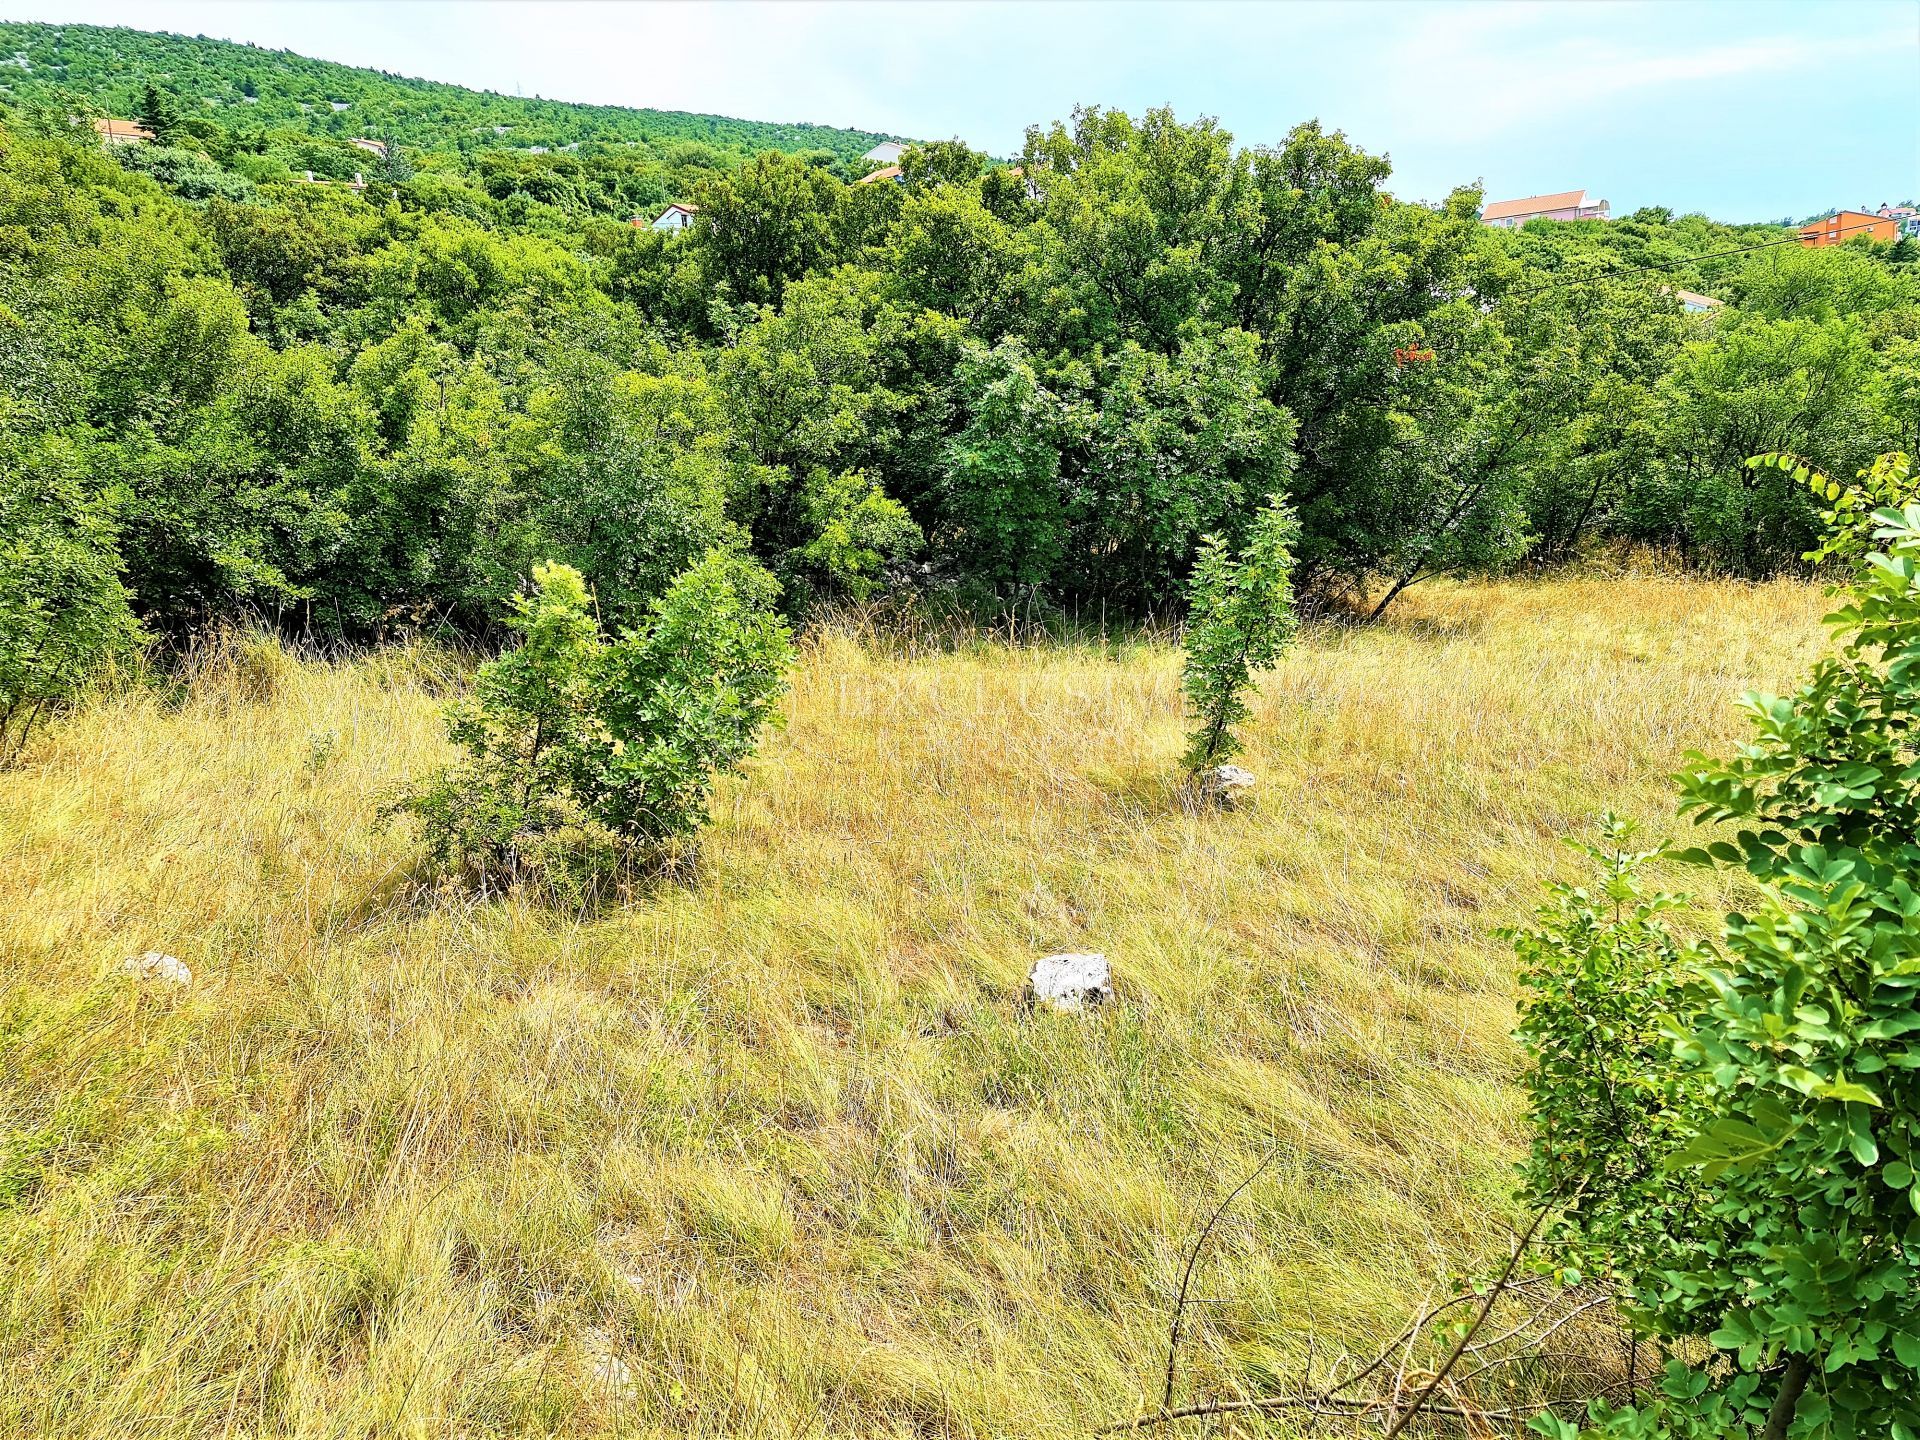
<point x="774" y="1151"/>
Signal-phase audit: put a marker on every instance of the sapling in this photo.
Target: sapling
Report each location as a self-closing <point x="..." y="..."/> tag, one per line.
<point x="1240" y="619"/>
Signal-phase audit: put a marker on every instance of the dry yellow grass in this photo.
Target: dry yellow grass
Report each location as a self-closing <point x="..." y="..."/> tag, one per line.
<point x="774" y="1151"/>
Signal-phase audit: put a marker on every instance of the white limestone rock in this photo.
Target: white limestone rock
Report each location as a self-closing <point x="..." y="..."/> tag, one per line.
<point x="1070" y="982"/>
<point x="1227" y="785"/>
<point x="158" y="967"/>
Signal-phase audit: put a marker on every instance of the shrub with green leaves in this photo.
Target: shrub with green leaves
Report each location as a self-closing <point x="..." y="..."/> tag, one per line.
<point x="1603" y="973"/>
<point x="1239" y="619"/>
<point x="1775" y="1216"/>
<point x="587" y="754"/>
<point x="63" y="611"/>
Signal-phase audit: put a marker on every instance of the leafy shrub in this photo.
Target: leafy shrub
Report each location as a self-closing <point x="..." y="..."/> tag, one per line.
<point x="1603" y="975"/>
<point x="585" y="753"/>
<point x="1240" y="617"/>
<point x="1776" y="1216"/>
<point x="63" y="611"/>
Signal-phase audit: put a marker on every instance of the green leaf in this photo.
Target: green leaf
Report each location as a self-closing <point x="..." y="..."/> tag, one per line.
<point x="1845" y="1090"/>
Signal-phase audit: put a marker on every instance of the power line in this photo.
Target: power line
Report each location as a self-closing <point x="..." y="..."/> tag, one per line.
<point x="1693" y="260"/>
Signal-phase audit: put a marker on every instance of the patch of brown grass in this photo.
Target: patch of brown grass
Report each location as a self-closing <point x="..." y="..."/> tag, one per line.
<point x="779" y="1140"/>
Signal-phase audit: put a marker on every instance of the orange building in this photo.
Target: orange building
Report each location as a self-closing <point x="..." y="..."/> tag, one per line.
<point x="1842" y="227"/>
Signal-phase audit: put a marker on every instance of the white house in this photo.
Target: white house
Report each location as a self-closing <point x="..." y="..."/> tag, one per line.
<point x="1566" y="205"/>
<point x="887" y="152"/>
<point x="675" y="218"/>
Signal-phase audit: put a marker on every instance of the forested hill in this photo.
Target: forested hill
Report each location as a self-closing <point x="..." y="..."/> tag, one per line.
<point x="245" y="89"/>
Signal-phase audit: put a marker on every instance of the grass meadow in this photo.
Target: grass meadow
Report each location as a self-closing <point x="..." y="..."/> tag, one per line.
<point x="773" y="1149"/>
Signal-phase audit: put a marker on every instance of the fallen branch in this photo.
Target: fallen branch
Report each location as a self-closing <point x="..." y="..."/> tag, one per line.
<point x="1459" y="1348"/>
<point x="1320" y="1405"/>
<point x="1439" y="1395"/>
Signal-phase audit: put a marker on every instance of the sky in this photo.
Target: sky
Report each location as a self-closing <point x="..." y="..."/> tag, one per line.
<point x="1746" y="111"/>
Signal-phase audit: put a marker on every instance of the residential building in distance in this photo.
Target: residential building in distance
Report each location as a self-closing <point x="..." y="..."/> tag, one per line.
<point x="1844" y="225"/>
<point x="1907" y="217"/>
<point x="1567" y="205"/>
<point x="122" y="132"/>
<point x="892" y="172"/>
<point x="674" y="218"/>
<point x="1695" y="303"/>
<point x="372" y="147"/>
<point x="887" y="152"/>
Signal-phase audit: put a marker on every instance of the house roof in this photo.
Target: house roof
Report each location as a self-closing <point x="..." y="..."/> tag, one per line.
<point x="1694" y="297"/>
<point x="122" y="130"/>
<point x="684" y="209"/>
<point x="892" y="172"/>
<point x="1534" y="205"/>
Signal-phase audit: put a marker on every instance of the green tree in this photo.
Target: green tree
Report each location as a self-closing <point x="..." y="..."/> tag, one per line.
<point x="159" y="114"/>
<point x="63" y="611"/>
<point x="1004" y="517"/>
<point x="764" y="226"/>
<point x="942" y="162"/>
<point x="1239" y="619"/>
<point x="392" y="166"/>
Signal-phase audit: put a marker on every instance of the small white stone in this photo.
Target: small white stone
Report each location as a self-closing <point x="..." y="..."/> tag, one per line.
<point x="1070" y="982"/>
<point x="155" y="966"/>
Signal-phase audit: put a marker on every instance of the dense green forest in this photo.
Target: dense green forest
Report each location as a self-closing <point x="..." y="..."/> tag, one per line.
<point x="224" y="390"/>
<point x="273" y="111"/>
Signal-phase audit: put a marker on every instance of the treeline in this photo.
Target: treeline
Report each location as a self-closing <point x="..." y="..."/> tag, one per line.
<point x="1041" y="384"/>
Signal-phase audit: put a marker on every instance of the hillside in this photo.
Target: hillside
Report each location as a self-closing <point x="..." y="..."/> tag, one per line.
<point x="244" y="88"/>
<point x="774" y="1149"/>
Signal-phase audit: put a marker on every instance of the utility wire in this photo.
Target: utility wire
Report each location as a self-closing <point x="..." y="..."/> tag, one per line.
<point x="1680" y="264"/>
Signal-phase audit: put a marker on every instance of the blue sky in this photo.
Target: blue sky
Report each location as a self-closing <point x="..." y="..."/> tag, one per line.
<point x="1744" y="110"/>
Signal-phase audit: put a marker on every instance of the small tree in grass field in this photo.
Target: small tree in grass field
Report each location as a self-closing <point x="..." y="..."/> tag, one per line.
<point x="585" y="752"/>
<point x="1239" y="619"/>
<point x="1732" y="1129"/>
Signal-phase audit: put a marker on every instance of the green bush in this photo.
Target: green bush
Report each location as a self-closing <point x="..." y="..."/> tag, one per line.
<point x="586" y="754"/>
<point x="1773" y="1214"/>
<point x="1239" y="619"/>
<point x="63" y="611"/>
